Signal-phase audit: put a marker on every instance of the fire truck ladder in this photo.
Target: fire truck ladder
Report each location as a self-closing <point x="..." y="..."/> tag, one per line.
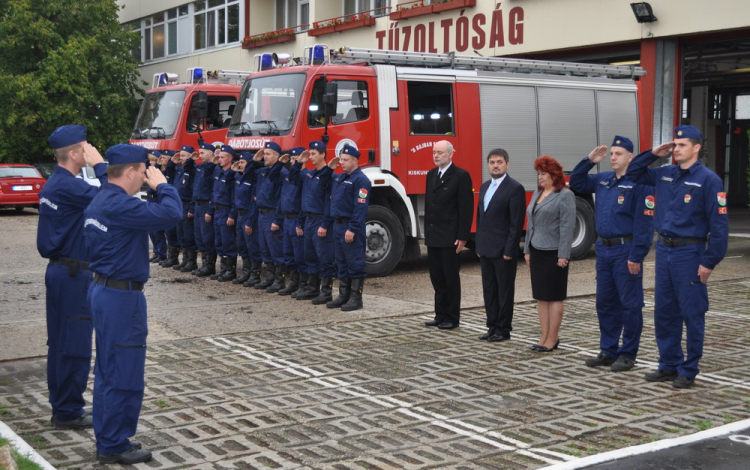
<point x="499" y="64"/>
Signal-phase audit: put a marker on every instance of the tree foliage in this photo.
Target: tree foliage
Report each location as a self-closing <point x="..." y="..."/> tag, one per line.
<point x="64" y="62"/>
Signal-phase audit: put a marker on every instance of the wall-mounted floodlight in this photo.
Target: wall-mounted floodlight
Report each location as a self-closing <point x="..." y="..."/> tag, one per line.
<point x="643" y="12"/>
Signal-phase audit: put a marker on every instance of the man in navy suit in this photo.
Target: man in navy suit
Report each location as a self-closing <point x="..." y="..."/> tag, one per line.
<point x="500" y="215"/>
<point x="448" y="213"/>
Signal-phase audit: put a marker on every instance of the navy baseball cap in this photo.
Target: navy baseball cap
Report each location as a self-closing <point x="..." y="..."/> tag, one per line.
<point x="296" y="151"/>
<point x="318" y="145"/>
<point x="246" y="156"/>
<point x="206" y="146"/>
<point x="126" y="153"/>
<point x="227" y="149"/>
<point x="624" y="142"/>
<point x="273" y="146"/>
<point x="349" y="150"/>
<point x="188" y="148"/>
<point x="169" y="153"/>
<point x="155" y="153"/>
<point x="67" y="135"/>
<point x="687" y="132"/>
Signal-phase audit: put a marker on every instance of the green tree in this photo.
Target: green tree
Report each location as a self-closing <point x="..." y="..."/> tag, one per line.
<point x="64" y="62"/>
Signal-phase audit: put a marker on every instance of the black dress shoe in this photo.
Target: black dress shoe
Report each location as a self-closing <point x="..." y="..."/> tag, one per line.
<point x="447" y="325"/>
<point x="82" y="422"/>
<point x="129" y="457"/>
<point x="431" y="323"/>
<point x="133" y="445"/>
<point x="486" y="336"/>
<point x="497" y="338"/>
<point x="536" y="347"/>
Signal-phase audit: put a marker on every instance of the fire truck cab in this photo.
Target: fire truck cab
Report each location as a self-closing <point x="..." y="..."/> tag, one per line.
<point x="393" y="106"/>
<point x="174" y="114"/>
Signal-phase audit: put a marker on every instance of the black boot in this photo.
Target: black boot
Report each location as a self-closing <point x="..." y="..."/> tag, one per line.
<point x="326" y="292"/>
<point x="293" y="283"/>
<point x="209" y="266"/>
<point x="222" y="269"/>
<point x="173" y="258"/>
<point x="270" y="276"/>
<point x="355" y="299"/>
<point x="344" y="291"/>
<point x="184" y="261"/>
<point x="154" y="258"/>
<point x="204" y="260"/>
<point x="311" y="290"/>
<point x="231" y="271"/>
<point x="302" y="287"/>
<point x="192" y="263"/>
<point x="245" y="271"/>
<point x="278" y="280"/>
<point x="254" y="274"/>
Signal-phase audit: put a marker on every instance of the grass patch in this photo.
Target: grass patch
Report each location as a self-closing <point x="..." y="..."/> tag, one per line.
<point x="729" y="418"/>
<point x="162" y="404"/>
<point x="22" y="461"/>
<point x="701" y="424"/>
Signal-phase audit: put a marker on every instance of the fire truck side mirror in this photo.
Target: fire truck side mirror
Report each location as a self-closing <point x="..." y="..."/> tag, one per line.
<point x="202" y="102"/>
<point x="330" y="98"/>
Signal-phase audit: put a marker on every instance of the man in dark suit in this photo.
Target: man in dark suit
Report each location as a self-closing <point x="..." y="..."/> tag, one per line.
<point x="500" y="215"/>
<point x="449" y="207"/>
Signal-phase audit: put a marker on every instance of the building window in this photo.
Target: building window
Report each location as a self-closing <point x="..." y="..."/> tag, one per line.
<point x="216" y="22"/>
<point x="742" y="107"/>
<point x="291" y="13"/>
<point x="356" y="6"/>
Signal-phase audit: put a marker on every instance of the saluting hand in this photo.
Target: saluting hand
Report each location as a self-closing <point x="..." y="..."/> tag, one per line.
<point x="284" y="158"/>
<point x="258" y="157"/>
<point x="91" y="155"/>
<point x="154" y="177"/>
<point x="334" y="163"/>
<point x="304" y="156"/>
<point x="664" y="150"/>
<point x="598" y="154"/>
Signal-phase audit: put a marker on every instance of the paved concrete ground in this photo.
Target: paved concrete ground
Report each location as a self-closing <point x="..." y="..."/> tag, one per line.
<point x="239" y="379"/>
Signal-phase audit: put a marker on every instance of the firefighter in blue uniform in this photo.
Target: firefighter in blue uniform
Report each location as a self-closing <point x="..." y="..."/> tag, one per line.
<point x="245" y="211"/>
<point x="290" y="205"/>
<point x="270" y="220"/>
<point x="691" y="202"/>
<point x="59" y="238"/>
<point x="350" y="197"/>
<point x="224" y="218"/>
<point x="203" y="186"/>
<point x="624" y="223"/>
<point x="316" y="199"/>
<point x="158" y="237"/>
<point x="183" y="181"/>
<point x="173" y="241"/>
<point x="116" y="229"/>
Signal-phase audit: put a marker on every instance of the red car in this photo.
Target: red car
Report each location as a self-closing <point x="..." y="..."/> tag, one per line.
<point x="19" y="186"/>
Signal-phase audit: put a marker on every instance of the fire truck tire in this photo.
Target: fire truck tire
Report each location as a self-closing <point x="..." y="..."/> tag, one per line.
<point x="385" y="241"/>
<point x="585" y="232"/>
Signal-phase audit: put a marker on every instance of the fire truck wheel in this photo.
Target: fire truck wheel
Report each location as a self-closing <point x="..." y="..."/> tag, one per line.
<point x="585" y="234"/>
<point x="385" y="241"/>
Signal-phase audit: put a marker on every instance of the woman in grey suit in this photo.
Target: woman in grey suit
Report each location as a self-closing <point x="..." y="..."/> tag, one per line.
<point x="550" y="227"/>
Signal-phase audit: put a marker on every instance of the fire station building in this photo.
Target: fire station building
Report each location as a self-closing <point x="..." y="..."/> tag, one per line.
<point x="696" y="52"/>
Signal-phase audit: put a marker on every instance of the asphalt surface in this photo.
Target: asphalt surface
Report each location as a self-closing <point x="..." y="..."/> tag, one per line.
<point x="241" y="379"/>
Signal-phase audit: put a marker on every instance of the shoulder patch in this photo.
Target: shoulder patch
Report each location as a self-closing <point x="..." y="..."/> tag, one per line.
<point x="361" y="200"/>
<point x="722" y="198"/>
<point x="363" y="192"/>
<point x="650" y="202"/>
<point x="722" y="210"/>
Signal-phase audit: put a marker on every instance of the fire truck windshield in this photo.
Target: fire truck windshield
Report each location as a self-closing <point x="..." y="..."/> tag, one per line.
<point x="159" y="114"/>
<point x="267" y="105"/>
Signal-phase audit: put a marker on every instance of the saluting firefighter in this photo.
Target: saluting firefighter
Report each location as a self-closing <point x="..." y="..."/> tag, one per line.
<point x="244" y="211"/>
<point x="290" y="205"/>
<point x="203" y="186"/>
<point x="168" y="169"/>
<point x="225" y="216"/>
<point x="158" y="237"/>
<point x="183" y="181"/>
<point x="270" y="220"/>
<point x="624" y="223"/>
<point x="350" y="197"/>
<point x="691" y="202"/>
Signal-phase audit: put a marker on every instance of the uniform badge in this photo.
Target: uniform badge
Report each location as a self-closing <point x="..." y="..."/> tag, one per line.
<point x="722" y="198"/>
<point x="361" y="200"/>
<point x="648" y="212"/>
<point x="620" y="199"/>
<point x="679" y="133"/>
<point x="722" y="210"/>
<point x="363" y="193"/>
<point x="184" y="180"/>
<point x="650" y="202"/>
<point x="687" y="198"/>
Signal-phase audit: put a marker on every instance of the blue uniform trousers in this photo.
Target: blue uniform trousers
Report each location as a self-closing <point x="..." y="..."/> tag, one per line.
<point x="159" y="242"/>
<point x="294" y="246"/>
<point x="224" y="236"/>
<point x="679" y="298"/>
<point x="350" y="257"/>
<point x="204" y="231"/>
<point x="239" y="228"/>
<point x="271" y="243"/>
<point x="121" y="330"/>
<point x="319" y="251"/>
<point x="185" y="232"/>
<point x="69" y="331"/>
<point x="252" y="242"/>
<point x="619" y="301"/>
<point x="171" y="235"/>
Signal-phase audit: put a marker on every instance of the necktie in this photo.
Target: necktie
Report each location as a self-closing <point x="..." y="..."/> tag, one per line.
<point x="490" y="192"/>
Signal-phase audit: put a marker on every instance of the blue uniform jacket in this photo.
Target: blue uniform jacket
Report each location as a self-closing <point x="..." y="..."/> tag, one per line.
<point x="622" y="207"/>
<point x="350" y="196"/>
<point x="244" y="190"/>
<point x="690" y="203"/>
<point x="203" y="184"/>
<point x="61" y="205"/>
<point x="116" y="229"/>
<point x="316" y="191"/>
<point x="268" y="189"/>
<point x="290" y="201"/>
<point x="183" y="180"/>
<point x="224" y="190"/>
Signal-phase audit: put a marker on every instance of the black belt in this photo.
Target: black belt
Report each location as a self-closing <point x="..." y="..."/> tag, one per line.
<point x="292" y="216"/>
<point x="266" y="210"/>
<point x="310" y="215"/>
<point x="616" y="240"/>
<point x="222" y="206"/>
<point x="343" y="220"/>
<point x="201" y="202"/>
<point x="242" y="211"/>
<point x="72" y="264"/>
<point x="186" y="201"/>
<point x="117" y="284"/>
<point x="673" y="242"/>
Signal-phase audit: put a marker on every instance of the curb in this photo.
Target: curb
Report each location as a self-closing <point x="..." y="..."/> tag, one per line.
<point x="23" y="448"/>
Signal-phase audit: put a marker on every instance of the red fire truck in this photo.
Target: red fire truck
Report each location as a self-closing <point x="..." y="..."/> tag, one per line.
<point x="393" y="106"/>
<point x="175" y="114"/>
